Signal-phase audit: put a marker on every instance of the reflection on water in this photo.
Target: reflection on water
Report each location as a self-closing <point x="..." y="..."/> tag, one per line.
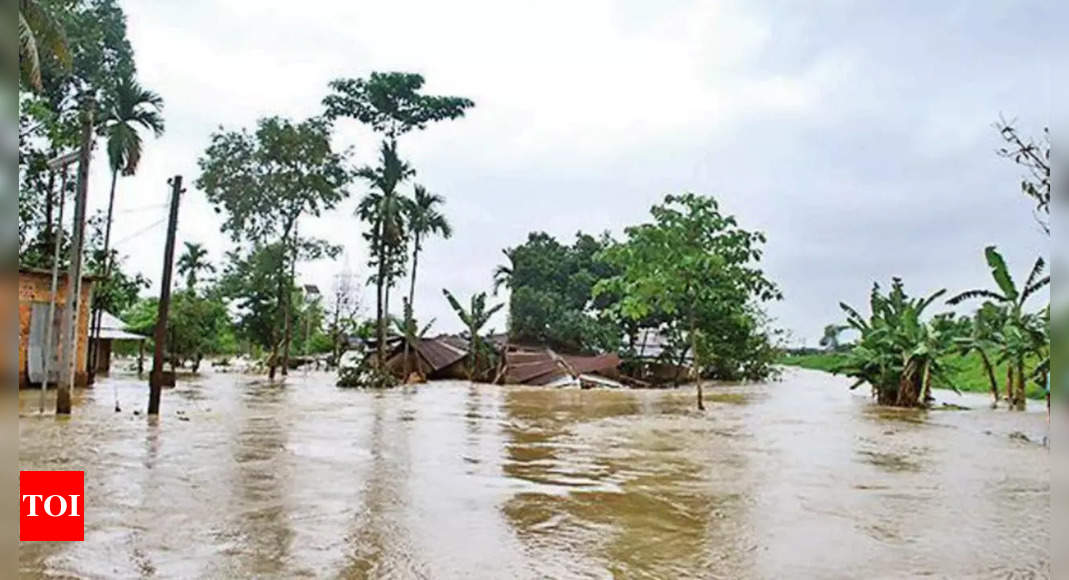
<point x="240" y="477"/>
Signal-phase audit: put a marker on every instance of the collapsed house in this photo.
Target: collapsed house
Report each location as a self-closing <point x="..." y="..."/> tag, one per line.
<point x="532" y="365"/>
<point x="448" y="357"/>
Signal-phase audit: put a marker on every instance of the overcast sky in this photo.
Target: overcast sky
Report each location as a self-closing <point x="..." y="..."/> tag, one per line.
<point x="858" y="137"/>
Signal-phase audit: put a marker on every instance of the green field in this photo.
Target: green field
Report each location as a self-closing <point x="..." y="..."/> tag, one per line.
<point x="967" y="372"/>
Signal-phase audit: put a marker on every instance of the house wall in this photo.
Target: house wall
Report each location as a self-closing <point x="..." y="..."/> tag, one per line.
<point x="35" y="287"/>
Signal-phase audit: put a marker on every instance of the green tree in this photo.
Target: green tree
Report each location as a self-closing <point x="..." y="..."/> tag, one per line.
<point x="551" y="300"/>
<point x="475" y="318"/>
<point x="39" y="31"/>
<point x="694" y="268"/>
<point x="197" y="326"/>
<point x="981" y="337"/>
<point x="898" y="352"/>
<point x="127" y="108"/>
<point x="384" y="210"/>
<point x="192" y="262"/>
<point x="1022" y="334"/>
<point x="391" y="104"/>
<point x="424" y="219"/>
<point x="97" y="53"/>
<point x="264" y="182"/>
<point x="250" y="282"/>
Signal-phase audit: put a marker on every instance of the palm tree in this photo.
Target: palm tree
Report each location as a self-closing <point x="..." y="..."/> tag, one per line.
<point x="384" y="210"/>
<point x="423" y="219"/>
<point x="39" y="29"/>
<point x="1021" y="334"/>
<point x="502" y="273"/>
<point x="192" y="263"/>
<point x="475" y="318"/>
<point x="128" y="107"/>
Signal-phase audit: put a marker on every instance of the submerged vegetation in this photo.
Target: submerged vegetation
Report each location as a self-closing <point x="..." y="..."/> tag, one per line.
<point x="902" y="353"/>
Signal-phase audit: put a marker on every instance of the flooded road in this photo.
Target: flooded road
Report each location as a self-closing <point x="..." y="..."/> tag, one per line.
<point x="796" y="479"/>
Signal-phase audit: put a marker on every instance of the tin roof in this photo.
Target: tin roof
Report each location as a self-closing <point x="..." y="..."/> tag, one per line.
<point x="439" y="353"/>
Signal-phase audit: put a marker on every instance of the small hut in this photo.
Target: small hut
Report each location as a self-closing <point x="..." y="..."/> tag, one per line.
<point x="113" y="329"/>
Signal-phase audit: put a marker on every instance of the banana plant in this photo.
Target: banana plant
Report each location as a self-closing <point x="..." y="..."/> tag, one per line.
<point x="1022" y="335"/>
<point x="898" y="353"/>
<point x="475" y="317"/>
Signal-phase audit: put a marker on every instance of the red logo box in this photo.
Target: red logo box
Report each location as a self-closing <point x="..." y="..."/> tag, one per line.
<point x="51" y="506"/>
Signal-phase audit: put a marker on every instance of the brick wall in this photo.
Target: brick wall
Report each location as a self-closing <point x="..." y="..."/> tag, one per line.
<point x="35" y="287"/>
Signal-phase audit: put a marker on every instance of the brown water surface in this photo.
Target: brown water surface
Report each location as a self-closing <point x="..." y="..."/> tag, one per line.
<point x="240" y="477"/>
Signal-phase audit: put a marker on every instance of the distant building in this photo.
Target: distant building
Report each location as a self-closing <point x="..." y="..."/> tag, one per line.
<point x="34" y="292"/>
<point x="112" y="329"/>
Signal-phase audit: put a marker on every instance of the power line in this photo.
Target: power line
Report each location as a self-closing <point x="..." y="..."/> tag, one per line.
<point x="141" y="231"/>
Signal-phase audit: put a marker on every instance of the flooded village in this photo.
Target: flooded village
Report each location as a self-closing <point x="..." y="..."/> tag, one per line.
<point x="675" y="295"/>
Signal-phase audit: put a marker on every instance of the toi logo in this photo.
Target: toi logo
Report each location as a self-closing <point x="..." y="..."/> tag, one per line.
<point x="51" y="506"/>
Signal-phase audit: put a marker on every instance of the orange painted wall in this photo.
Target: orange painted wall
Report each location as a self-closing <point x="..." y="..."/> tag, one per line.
<point x="35" y="287"/>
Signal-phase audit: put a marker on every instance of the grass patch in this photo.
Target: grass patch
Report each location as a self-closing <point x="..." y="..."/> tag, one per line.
<point x="966" y="372"/>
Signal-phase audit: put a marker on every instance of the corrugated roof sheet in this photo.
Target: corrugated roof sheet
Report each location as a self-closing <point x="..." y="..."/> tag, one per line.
<point x="439" y="353"/>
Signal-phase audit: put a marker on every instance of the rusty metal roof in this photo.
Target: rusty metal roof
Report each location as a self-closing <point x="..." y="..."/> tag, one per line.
<point x="440" y="353"/>
<point x="592" y="364"/>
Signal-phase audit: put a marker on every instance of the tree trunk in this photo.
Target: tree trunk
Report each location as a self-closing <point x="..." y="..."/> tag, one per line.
<point x="1009" y="384"/>
<point x="380" y="320"/>
<point x="927" y="385"/>
<point x="695" y="369"/>
<point x="411" y="311"/>
<point x="990" y="371"/>
<point x="95" y="318"/>
<point x="1020" y="401"/>
<point x="287" y="336"/>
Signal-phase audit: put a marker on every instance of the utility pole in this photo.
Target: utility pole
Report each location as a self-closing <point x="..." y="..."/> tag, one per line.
<point x="155" y="381"/>
<point x="59" y="163"/>
<point x="74" y="270"/>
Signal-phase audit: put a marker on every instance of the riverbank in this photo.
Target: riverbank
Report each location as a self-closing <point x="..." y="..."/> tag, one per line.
<point x="966" y="372"/>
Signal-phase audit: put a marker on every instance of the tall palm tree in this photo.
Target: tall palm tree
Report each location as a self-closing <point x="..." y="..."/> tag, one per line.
<point x="424" y="219"/>
<point x="127" y="108"/>
<point x="475" y="318"/>
<point x="384" y="210"/>
<point x="1022" y="334"/>
<point x="38" y="29"/>
<point x="191" y="263"/>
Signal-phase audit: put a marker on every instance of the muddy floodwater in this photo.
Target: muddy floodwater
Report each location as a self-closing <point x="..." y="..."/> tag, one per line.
<point x="801" y="478"/>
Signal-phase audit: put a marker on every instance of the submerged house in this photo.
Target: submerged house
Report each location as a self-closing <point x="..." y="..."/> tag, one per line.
<point x="534" y="365"/>
<point x="652" y="358"/>
<point x="35" y="296"/>
<point x="442" y="357"/>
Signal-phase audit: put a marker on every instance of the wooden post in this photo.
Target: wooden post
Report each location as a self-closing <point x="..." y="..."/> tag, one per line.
<point x="74" y="270"/>
<point x="155" y="381"/>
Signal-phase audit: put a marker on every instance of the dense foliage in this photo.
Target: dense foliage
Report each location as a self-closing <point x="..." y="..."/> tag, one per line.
<point x="196" y="326"/>
<point x="693" y="274"/>
<point x="899" y="353"/>
<point x="551" y="300"/>
<point x="264" y="182"/>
